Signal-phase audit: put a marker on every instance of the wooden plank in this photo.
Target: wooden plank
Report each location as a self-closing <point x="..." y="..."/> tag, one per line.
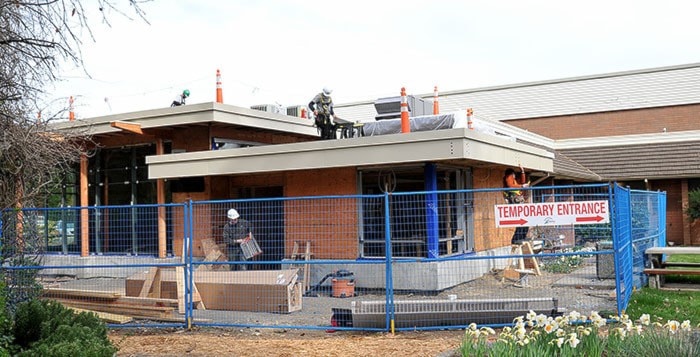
<point x="106" y="316"/>
<point x="130" y="310"/>
<point x="680" y="264"/>
<point x="671" y="272"/>
<point x="180" y="281"/>
<point x="295" y="250"/>
<point x="307" y="273"/>
<point x="531" y="261"/>
<point x="212" y="256"/>
<point x="673" y="250"/>
<point x="86" y="294"/>
<point x="117" y="298"/>
<point x="196" y="298"/>
<point x="133" y="300"/>
<point x="152" y="281"/>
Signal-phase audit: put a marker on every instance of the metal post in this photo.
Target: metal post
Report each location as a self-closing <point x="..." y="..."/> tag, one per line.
<point x="431" y="210"/>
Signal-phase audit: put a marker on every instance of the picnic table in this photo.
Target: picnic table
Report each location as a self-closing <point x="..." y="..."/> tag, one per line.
<point x="659" y="267"/>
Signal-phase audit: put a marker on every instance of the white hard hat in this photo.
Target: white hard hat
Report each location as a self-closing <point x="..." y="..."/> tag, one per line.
<point x="327" y="91"/>
<point x="232" y="214"/>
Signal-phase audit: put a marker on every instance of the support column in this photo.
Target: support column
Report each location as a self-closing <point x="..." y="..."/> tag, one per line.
<point x="98" y="202"/>
<point x="19" y="223"/>
<point x="431" y="210"/>
<point x="160" y="193"/>
<point x="84" y="216"/>
<point x="686" y="220"/>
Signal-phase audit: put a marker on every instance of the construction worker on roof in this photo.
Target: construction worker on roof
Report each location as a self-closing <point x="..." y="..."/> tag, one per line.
<point x="322" y="107"/>
<point x="180" y="99"/>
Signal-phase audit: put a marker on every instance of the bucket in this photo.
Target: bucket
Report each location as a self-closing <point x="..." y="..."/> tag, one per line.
<point x="343" y="288"/>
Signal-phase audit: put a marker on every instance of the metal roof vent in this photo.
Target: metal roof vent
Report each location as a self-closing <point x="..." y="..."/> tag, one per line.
<point x="390" y="107"/>
<point x="270" y="108"/>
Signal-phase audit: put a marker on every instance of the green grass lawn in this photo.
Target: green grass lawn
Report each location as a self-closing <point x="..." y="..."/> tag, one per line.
<point x="665" y="304"/>
<point x="683" y="258"/>
<point x="669" y="305"/>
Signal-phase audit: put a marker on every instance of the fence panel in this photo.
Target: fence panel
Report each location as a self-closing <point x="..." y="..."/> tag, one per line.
<point x="474" y="273"/>
<point x="314" y="251"/>
<point x="406" y="260"/>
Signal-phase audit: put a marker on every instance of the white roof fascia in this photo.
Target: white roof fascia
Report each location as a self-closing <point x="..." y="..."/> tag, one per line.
<point x="437" y="145"/>
<point x="195" y="114"/>
<point x="622" y="140"/>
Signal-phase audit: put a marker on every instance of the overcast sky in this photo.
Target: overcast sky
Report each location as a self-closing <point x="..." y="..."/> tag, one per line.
<point x="284" y="52"/>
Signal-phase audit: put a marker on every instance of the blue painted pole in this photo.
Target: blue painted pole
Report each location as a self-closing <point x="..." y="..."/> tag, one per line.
<point x="431" y="210"/>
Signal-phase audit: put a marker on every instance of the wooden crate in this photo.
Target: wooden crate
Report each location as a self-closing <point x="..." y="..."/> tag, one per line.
<point x="259" y="291"/>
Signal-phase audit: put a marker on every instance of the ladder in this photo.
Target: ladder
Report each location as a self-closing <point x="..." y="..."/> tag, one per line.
<point x="517" y="267"/>
<point x="306" y="256"/>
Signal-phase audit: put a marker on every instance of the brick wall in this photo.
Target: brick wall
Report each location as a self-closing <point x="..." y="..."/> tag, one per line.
<point x="330" y="239"/>
<point x="625" y="122"/>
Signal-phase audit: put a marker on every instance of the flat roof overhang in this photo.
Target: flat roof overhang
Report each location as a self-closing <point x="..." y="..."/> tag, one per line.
<point x="193" y="114"/>
<point x="452" y="145"/>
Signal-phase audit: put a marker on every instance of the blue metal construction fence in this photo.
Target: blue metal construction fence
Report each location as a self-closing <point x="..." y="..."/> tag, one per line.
<point x="401" y="260"/>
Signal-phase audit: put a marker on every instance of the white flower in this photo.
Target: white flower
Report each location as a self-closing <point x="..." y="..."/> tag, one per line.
<point x="574" y="316"/>
<point x="620" y="332"/>
<point x="560" y="341"/>
<point x="488" y="330"/>
<point x="573" y="340"/>
<point x="561" y="333"/>
<point x="531" y="315"/>
<point x="672" y="326"/>
<point x="685" y="326"/>
<point x="550" y="327"/>
<point x="645" y="319"/>
<point x="472" y="326"/>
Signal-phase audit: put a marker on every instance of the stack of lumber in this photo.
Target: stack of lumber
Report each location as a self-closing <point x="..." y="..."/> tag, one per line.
<point x="115" y="307"/>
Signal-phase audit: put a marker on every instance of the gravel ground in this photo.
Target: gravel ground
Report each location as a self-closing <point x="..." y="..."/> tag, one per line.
<point x="580" y="291"/>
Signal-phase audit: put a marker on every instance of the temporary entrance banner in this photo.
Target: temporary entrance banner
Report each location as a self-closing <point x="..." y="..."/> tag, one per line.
<point x="552" y="213"/>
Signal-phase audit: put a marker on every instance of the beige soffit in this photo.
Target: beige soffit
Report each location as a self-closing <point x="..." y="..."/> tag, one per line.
<point x="433" y="146"/>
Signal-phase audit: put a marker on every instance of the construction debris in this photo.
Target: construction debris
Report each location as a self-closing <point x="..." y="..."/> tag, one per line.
<point x="259" y="291"/>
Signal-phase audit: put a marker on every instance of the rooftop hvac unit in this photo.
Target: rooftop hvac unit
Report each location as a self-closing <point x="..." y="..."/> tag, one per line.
<point x="295" y="111"/>
<point x="390" y="108"/>
<point x="270" y="108"/>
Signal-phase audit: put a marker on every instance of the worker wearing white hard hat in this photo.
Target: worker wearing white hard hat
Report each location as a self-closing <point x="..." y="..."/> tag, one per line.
<point x="236" y="231"/>
<point x="322" y="107"/>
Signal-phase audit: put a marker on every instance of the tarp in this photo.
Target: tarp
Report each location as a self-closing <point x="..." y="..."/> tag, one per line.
<point x="420" y="123"/>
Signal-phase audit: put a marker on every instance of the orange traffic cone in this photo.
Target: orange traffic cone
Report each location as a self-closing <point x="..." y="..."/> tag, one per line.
<point x="219" y="91"/>
<point x="436" y="106"/>
<point x="405" y="123"/>
<point x="71" y="109"/>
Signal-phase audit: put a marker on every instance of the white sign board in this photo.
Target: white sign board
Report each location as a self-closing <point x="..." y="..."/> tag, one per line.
<point x="552" y="213"/>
